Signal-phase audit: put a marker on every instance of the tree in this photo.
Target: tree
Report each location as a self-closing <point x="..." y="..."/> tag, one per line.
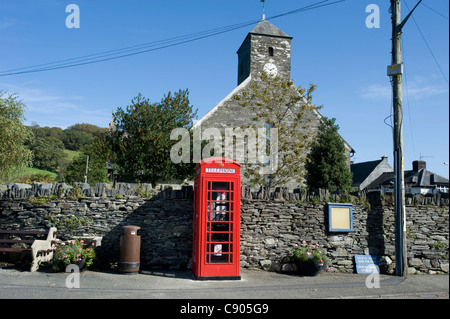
<point x="48" y="151"/>
<point x="326" y="164"/>
<point x="141" y="144"/>
<point x="280" y="105"/>
<point x="90" y="129"/>
<point x="55" y="132"/>
<point x="14" y="155"/>
<point x="97" y="172"/>
<point x="75" y="140"/>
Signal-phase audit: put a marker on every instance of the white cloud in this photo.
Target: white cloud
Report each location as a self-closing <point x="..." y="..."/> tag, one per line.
<point x="376" y="91"/>
<point x="419" y="87"/>
<point x="7" y="22"/>
<point x="49" y="108"/>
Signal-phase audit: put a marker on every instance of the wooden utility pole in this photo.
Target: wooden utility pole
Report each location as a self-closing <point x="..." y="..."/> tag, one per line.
<point x="395" y="70"/>
<point x="87" y="169"/>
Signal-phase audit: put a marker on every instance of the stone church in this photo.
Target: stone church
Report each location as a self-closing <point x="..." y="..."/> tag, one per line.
<point x="266" y="48"/>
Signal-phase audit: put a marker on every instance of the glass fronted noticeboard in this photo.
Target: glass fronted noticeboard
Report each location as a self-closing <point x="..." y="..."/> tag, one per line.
<point x="340" y="217"/>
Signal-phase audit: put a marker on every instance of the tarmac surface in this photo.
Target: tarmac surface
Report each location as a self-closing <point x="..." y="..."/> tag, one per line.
<point x="254" y="284"/>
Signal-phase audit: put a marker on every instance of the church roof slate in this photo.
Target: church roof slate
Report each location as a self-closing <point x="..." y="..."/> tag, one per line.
<point x="264" y="27"/>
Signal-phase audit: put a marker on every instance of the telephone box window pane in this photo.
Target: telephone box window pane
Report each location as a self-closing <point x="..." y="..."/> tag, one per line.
<point x="220" y="227"/>
<point x="217" y="217"/>
<point x="220" y="186"/>
<point x="219" y="259"/>
<point x="220" y="253"/>
<point x="219" y="237"/>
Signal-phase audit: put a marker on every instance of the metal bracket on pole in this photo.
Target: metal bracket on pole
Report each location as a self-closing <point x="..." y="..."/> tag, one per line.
<point x="400" y="26"/>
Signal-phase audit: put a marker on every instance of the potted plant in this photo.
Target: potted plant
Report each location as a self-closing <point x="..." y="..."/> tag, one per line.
<point x="73" y="252"/>
<point x="310" y="259"/>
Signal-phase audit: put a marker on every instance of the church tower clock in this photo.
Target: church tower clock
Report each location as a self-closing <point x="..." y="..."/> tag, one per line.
<point x="266" y="48"/>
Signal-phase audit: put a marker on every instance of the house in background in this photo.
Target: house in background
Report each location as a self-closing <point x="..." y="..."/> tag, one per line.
<point x="419" y="180"/>
<point x="366" y="172"/>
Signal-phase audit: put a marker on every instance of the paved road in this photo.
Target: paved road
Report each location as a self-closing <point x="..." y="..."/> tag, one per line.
<point x="176" y="294"/>
<point x="255" y="284"/>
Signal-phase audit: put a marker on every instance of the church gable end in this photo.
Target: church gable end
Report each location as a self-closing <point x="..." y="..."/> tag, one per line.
<point x="266" y="48"/>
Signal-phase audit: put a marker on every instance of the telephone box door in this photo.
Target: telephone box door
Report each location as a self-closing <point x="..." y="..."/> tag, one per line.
<point x="216" y="253"/>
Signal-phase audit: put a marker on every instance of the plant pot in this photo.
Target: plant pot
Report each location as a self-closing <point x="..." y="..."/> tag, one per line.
<point x="308" y="268"/>
<point x="81" y="265"/>
<point x="61" y="267"/>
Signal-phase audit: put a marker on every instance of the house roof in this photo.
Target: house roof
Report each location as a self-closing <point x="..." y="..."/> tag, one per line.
<point x="361" y="171"/>
<point x="421" y="178"/>
<point x="425" y="178"/>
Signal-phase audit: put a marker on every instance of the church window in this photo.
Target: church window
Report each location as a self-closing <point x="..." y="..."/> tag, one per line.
<point x="270" y="51"/>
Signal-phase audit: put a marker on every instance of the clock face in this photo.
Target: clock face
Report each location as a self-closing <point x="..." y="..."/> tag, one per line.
<point x="271" y="69"/>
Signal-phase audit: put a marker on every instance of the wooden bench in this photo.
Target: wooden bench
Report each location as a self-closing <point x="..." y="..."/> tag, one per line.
<point x="40" y="250"/>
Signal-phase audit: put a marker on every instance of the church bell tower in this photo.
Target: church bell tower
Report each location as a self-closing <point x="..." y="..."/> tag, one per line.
<point x="266" y="48"/>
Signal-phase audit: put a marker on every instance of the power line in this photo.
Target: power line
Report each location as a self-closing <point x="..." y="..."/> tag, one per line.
<point x="435" y="11"/>
<point x="151" y="46"/>
<point x="428" y="46"/>
<point x="407" y="102"/>
<point x="126" y="49"/>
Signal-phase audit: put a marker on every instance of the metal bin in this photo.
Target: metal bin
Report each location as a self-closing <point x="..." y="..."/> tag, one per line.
<point x="130" y="250"/>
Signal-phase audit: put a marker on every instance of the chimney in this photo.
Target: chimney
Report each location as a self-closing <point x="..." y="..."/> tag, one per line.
<point x="418" y="165"/>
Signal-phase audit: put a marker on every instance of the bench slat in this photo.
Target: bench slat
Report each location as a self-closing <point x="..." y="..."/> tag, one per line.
<point x="15" y="250"/>
<point x="16" y="241"/>
<point x="23" y="232"/>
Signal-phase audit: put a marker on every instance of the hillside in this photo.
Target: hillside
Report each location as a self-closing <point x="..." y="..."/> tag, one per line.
<point x="54" y="149"/>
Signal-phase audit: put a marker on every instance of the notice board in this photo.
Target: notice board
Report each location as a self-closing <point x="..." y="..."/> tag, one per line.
<point x="367" y="264"/>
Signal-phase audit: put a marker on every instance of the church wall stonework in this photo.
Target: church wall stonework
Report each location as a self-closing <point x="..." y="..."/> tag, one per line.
<point x="281" y="58"/>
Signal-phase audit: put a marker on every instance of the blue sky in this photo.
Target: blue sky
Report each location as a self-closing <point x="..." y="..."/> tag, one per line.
<point x="332" y="48"/>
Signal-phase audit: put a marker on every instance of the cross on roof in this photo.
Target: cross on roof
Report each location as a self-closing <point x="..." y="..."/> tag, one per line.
<point x="263" y="4"/>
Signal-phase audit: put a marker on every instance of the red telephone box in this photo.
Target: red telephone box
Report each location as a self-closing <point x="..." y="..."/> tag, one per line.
<point x="217" y="208"/>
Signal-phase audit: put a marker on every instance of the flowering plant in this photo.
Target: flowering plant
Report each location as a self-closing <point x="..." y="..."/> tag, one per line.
<point x="305" y="252"/>
<point x="72" y="252"/>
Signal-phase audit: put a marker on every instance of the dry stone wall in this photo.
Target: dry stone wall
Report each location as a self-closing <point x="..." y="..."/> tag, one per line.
<point x="271" y="223"/>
